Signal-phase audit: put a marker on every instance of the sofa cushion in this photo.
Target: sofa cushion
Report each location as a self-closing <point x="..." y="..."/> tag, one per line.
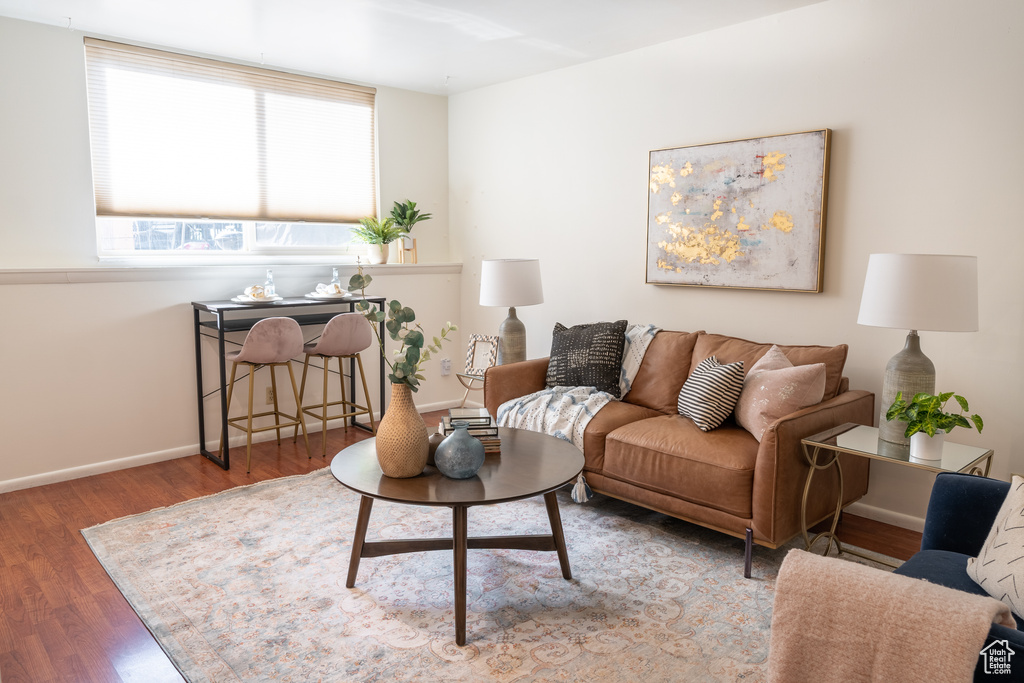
<point x="587" y="356"/>
<point x="608" y="419"/>
<point x="670" y="455"/>
<point x="774" y="387"/>
<point x="665" y="367"/>
<point x="730" y="349"/>
<point x="710" y="393"/>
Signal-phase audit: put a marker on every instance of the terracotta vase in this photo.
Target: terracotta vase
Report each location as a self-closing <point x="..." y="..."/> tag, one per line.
<point x="402" y="443"/>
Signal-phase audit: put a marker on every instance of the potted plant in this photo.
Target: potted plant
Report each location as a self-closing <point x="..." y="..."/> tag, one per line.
<point x="927" y="421"/>
<point x="406" y="215"/>
<point x="402" y="442"/>
<point x="377" y="234"/>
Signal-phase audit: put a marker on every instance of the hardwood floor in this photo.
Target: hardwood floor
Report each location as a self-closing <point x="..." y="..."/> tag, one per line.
<point x="62" y="619"/>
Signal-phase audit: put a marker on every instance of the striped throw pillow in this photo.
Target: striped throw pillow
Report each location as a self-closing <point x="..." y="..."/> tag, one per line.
<point x="710" y="393"/>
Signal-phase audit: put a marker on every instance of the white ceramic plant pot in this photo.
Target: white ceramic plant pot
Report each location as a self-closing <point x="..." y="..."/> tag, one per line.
<point x="924" y="447"/>
<point x="377" y="253"/>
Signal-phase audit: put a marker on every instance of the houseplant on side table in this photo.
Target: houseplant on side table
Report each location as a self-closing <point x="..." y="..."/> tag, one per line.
<point x="927" y="422"/>
<point x="402" y="441"/>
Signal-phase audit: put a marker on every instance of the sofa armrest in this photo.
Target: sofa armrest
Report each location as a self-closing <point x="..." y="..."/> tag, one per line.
<point x="961" y="511"/>
<point x="781" y="468"/>
<point x="505" y="382"/>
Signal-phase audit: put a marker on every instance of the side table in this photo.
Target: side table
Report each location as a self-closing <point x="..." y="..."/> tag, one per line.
<point x="863" y="441"/>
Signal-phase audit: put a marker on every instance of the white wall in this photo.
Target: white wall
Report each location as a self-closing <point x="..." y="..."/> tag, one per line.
<point x="924" y="99"/>
<point x="101" y="373"/>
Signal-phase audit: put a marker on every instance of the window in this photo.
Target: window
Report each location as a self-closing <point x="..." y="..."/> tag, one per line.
<point x="192" y="154"/>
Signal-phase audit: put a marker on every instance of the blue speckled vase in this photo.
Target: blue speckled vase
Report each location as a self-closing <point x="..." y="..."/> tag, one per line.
<point x="460" y="455"/>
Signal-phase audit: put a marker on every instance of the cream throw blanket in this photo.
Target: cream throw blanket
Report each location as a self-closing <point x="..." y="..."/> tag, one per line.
<point x="840" y="621"/>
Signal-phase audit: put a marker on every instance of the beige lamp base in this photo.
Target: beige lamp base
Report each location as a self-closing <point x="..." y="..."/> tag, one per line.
<point x="910" y="372"/>
<point x="511" y="339"/>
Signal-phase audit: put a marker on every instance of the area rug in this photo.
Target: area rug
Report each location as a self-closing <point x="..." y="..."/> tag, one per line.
<point x="249" y="585"/>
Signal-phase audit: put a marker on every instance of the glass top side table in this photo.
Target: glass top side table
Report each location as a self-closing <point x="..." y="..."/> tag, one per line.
<point x="822" y="451"/>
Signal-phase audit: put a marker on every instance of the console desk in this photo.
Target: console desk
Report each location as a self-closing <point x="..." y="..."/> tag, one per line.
<point x="228" y="316"/>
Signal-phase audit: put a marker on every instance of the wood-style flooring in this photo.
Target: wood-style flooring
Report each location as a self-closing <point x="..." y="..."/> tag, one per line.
<point x="62" y="619"/>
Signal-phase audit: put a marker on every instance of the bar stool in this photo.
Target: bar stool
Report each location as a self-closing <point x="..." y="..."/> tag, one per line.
<point x="344" y="336"/>
<point x="272" y="342"/>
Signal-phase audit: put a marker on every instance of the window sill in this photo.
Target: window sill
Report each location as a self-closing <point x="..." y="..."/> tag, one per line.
<point x="70" y="276"/>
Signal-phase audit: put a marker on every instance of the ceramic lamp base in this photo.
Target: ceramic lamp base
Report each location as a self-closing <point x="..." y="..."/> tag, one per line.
<point x="511" y="339"/>
<point x="910" y="372"/>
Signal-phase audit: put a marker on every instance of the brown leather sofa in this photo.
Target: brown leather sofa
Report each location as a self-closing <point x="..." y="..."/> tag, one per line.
<point x="642" y="451"/>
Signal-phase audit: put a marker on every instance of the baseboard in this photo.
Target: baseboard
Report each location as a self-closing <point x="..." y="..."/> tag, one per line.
<point x="159" y="456"/>
<point x="887" y="516"/>
<point x="96" y="468"/>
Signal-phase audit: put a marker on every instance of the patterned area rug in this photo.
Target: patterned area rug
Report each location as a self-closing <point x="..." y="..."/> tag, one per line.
<point x="249" y="585"/>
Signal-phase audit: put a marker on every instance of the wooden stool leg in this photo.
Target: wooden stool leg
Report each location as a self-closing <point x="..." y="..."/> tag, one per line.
<point x="302" y="420"/>
<point x="273" y="390"/>
<point x="248" y="431"/>
<point x="323" y="406"/>
<point x="366" y="394"/>
<point x="302" y="393"/>
<point x="344" y="396"/>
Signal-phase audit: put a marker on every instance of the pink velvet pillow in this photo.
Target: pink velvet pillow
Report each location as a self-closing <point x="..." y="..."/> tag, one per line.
<point x="775" y="387"/>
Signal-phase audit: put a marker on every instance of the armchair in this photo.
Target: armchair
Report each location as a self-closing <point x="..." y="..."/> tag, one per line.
<point x="961" y="510"/>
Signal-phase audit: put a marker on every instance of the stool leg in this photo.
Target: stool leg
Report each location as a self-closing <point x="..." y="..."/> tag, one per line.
<point x="248" y="431"/>
<point x="323" y="406"/>
<point x="302" y="393"/>
<point x="277" y="411"/>
<point x="344" y="397"/>
<point x="302" y="421"/>
<point x="231" y="385"/>
<point x="366" y="394"/>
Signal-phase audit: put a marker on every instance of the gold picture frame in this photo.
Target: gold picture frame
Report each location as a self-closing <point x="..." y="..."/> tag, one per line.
<point x="745" y="214"/>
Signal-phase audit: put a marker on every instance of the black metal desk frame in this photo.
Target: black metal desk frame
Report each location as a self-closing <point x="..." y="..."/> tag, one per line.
<point x="249" y="316"/>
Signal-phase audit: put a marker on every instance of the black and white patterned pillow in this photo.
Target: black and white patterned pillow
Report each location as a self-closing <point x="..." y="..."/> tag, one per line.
<point x="587" y="356"/>
<point x="710" y="393"/>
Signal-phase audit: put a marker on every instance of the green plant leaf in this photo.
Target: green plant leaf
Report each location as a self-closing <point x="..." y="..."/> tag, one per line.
<point x="414" y="338"/>
<point x="978" y="422"/>
<point x="412" y="357"/>
<point x="405" y="315"/>
<point x="393" y="327"/>
<point x="962" y="401"/>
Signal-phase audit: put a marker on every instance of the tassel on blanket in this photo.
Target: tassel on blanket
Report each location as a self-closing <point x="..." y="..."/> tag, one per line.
<point x="581" y="493"/>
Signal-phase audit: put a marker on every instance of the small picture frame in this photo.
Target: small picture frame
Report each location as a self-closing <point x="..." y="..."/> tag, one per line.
<point x="481" y="353"/>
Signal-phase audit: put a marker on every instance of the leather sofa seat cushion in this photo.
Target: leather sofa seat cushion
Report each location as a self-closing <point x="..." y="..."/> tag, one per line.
<point x="665" y="367"/>
<point x="607" y="420"/>
<point x="669" y="454"/>
<point x="732" y="349"/>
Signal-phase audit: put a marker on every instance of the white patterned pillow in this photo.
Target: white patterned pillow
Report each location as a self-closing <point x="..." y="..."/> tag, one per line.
<point x="999" y="567"/>
<point x="710" y="393"/>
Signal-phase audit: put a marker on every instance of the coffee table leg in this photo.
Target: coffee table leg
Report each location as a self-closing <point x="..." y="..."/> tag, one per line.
<point x="362" y="521"/>
<point x="461" y="543"/>
<point x="556" y="532"/>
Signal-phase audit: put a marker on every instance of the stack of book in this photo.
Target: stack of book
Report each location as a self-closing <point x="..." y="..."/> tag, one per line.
<point x="481" y="426"/>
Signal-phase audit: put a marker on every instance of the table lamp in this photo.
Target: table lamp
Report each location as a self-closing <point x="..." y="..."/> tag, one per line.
<point x="916" y="292"/>
<point x="511" y="282"/>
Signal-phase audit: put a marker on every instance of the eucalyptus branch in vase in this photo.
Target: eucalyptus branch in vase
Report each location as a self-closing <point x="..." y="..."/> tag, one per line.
<point x="400" y="323"/>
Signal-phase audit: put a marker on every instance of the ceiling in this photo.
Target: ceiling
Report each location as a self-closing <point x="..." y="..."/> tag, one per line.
<point x="433" y="46"/>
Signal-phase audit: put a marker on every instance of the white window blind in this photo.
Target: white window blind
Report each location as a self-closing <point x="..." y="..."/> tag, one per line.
<point x="182" y="137"/>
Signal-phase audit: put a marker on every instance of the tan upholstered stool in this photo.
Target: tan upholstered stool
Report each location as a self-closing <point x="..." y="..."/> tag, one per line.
<point x="272" y="342"/>
<point x="344" y="337"/>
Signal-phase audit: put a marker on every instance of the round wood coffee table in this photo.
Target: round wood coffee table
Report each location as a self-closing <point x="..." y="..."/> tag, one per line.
<point x="530" y="464"/>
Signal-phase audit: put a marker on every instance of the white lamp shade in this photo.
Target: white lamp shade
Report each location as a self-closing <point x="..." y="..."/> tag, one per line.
<point x="510" y="282"/>
<point x="921" y="292"/>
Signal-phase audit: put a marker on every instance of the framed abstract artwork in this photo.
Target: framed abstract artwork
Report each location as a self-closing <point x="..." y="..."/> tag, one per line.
<point x="747" y="214"/>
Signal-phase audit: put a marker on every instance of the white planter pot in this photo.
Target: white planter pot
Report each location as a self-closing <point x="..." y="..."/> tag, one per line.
<point x="377" y="253"/>
<point x="928" y="448"/>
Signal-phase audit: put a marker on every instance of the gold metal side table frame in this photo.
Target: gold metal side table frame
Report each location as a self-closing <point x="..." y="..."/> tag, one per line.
<point x="863" y="441"/>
